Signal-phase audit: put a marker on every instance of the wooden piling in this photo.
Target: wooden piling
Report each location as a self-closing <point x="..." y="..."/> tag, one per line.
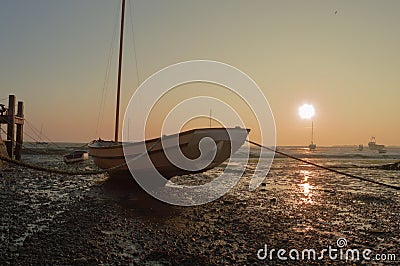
<point x="10" y="125"/>
<point x="3" y="152"/>
<point x="20" y="131"/>
<point x="14" y="140"/>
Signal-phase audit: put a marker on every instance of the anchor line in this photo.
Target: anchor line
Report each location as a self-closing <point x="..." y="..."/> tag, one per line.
<point x="323" y="167"/>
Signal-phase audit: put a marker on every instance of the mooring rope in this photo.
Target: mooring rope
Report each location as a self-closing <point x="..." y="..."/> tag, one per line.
<point x="50" y="170"/>
<point x="42" y="152"/>
<point x="86" y="172"/>
<point x="66" y="172"/>
<point x="323" y="167"/>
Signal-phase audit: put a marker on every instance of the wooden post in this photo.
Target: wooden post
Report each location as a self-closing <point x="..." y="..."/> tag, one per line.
<point x="3" y="152"/>
<point x="11" y="125"/>
<point x="20" y="131"/>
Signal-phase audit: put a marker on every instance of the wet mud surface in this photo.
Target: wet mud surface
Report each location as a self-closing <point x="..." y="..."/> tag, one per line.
<point x="49" y="219"/>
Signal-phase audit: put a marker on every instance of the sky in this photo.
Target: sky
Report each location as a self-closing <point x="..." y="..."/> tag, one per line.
<point x="341" y="56"/>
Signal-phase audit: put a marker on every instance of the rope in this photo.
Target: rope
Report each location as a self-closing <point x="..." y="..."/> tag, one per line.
<point x="42" y="152"/>
<point x="36" y="132"/>
<point x="40" y="135"/>
<point x="49" y="170"/>
<point x="325" y="168"/>
<point x="24" y="146"/>
<point x="66" y="172"/>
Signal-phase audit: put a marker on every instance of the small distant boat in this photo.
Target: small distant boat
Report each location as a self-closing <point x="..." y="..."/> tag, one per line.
<point x="76" y="156"/>
<point x="41" y="142"/>
<point x="373" y="146"/>
<point x="312" y="146"/>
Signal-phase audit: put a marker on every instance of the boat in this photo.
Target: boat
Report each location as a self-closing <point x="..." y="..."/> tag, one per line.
<point x="312" y="146"/>
<point x="110" y="154"/>
<point x="41" y="142"/>
<point x="360" y="147"/>
<point x="76" y="156"/>
<point x="373" y="146"/>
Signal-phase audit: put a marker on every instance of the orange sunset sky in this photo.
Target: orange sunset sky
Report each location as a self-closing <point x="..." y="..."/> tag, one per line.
<point x="341" y="56"/>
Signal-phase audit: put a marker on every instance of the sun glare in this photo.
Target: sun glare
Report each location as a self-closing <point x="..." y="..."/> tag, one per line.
<point x="306" y="111"/>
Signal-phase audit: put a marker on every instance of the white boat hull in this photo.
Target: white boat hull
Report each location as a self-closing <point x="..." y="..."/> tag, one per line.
<point x="76" y="156"/>
<point x="374" y="146"/>
<point x="110" y="155"/>
<point x="312" y="146"/>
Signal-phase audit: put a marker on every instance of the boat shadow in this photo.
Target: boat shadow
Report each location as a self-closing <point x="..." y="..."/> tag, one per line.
<point x="129" y="196"/>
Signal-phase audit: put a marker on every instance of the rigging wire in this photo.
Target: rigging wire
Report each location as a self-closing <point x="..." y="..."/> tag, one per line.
<point x="25" y="133"/>
<point x="131" y="10"/>
<point x="41" y="134"/>
<point x="135" y="58"/>
<point x="41" y="152"/>
<point x="106" y="81"/>
<point x="24" y="146"/>
<point x="52" y="170"/>
<point x="34" y="130"/>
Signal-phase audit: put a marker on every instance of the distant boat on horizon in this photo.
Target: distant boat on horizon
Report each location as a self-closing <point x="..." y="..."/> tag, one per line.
<point x="41" y="142"/>
<point x="110" y="154"/>
<point x="312" y="146"/>
<point x="373" y="146"/>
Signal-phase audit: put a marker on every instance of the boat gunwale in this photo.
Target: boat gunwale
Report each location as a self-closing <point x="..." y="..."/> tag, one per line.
<point x="74" y="153"/>
<point x="133" y="155"/>
<point x="118" y="145"/>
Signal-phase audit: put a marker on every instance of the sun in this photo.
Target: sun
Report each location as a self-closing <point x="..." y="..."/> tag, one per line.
<point x="306" y="111"/>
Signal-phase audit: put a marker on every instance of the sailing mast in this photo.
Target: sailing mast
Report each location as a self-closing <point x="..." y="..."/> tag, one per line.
<point x="312" y="146"/>
<point x="312" y="132"/>
<point x="121" y="42"/>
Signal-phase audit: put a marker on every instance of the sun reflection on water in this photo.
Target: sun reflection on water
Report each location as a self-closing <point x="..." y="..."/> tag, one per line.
<point x="306" y="188"/>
